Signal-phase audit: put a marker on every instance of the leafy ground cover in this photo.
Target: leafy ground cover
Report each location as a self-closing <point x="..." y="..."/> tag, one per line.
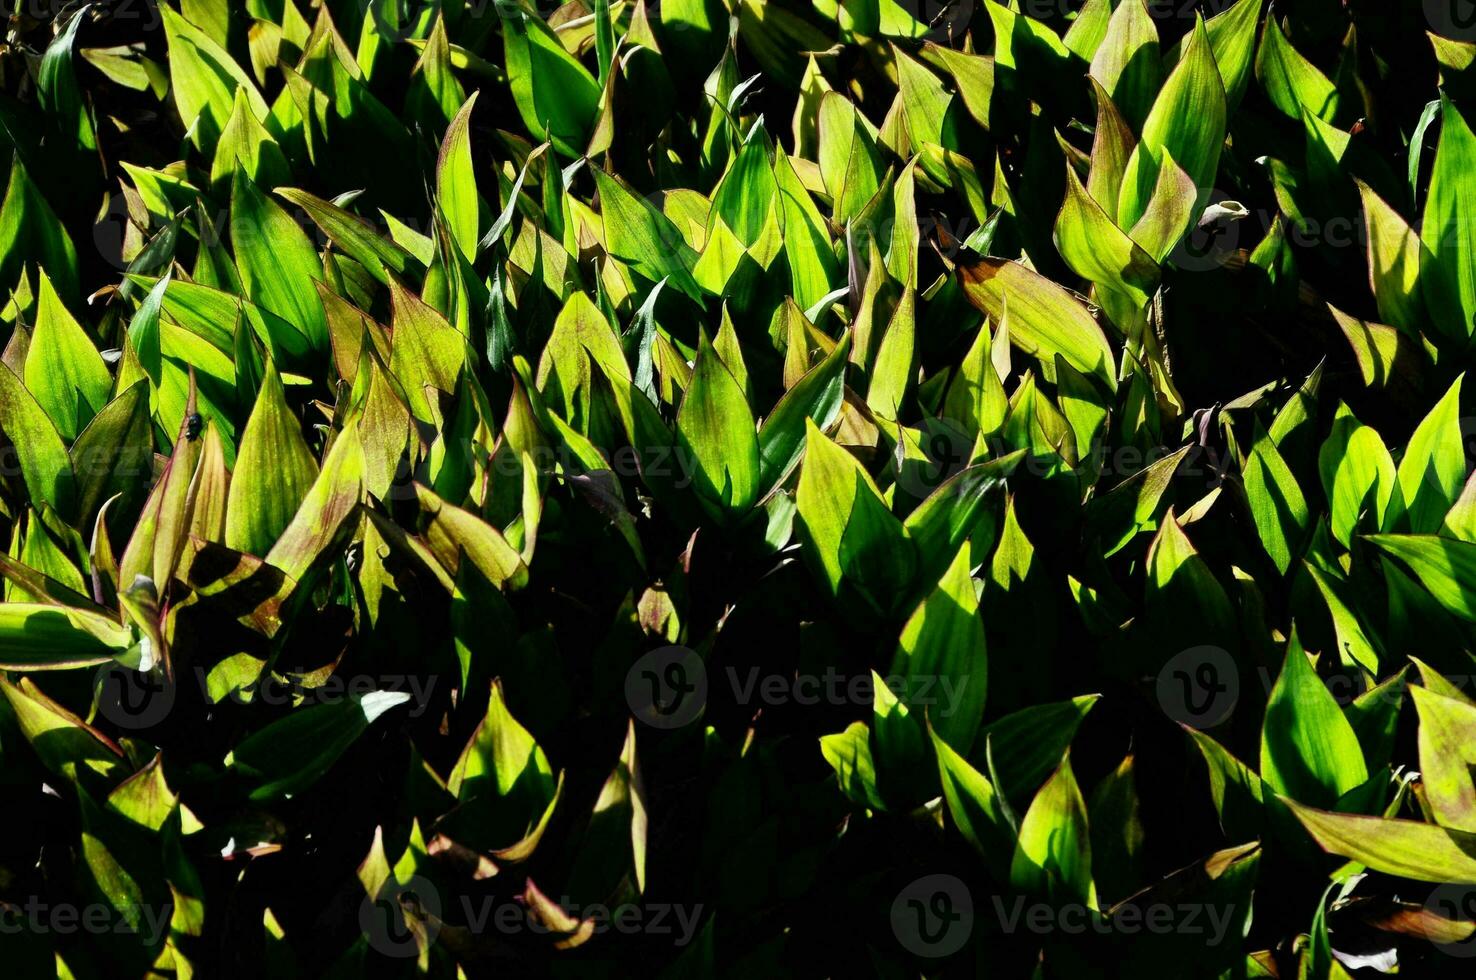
<point x="698" y="489"/>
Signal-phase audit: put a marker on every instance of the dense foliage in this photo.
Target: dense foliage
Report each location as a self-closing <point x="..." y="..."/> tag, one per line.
<point x="725" y="488"/>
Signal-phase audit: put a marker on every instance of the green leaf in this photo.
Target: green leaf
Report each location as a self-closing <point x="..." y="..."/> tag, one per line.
<point x="604" y="38"/>
<point x="582" y="337"/>
<point x="1460" y="522"/>
<point x="1173" y="207"/>
<point x="1044" y="319"/>
<point x="973" y="804"/>
<point x="1447" y="280"/>
<point x="816" y="397"/>
<point x="614" y="844"/>
<point x="324" y="516"/>
<point x="730" y="351"/>
<point x="1127" y="65"/>
<point x="56" y="83"/>
<point x="246" y="145"/>
<point x="31" y="232"/>
<point x="1374" y="715"/>
<point x="435" y="90"/>
<point x="1406" y="848"/>
<point x="1237" y="791"/>
<point x="1432" y="680"/>
<point x="66" y="744"/>
<point x="557" y="98"/>
<point x="892" y="374"/>
<point x="48" y="553"/>
<point x="1027" y="744"/>
<point x="973" y="78"/>
<point x="50" y="637"/>
<point x="849" y="754"/>
<point x="1276" y="502"/>
<point x="1358" y="476"/>
<point x="1097" y="250"/>
<point x="274" y="472"/>
<point x="427" y="353"/>
<point x="1447" y="746"/>
<point x="44" y="465"/>
<point x="503" y="780"/>
<point x="1053" y="856"/>
<point x="715" y="430"/>
<point x="1290" y="81"/>
<point x="901" y="748"/>
<point x="1308" y="749"/>
<point x="1024" y="43"/>
<point x="925" y="104"/>
<point x="849" y="536"/>
<point x="143" y="332"/>
<point x="639" y="234"/>
<point x="1384" y="355"/>
<point x="158" y="537"/>
<point x="1355" y="646"/>
<point x="807" y="246"/>
<point x="210" y="313"/>
<point x="1134" y="505"/>
<point x="1185" y="602"/>
<point x="942" y="660"/>
<point x="1085" y="35"/>
<point x="906" y="236"/>
<point x="1394" y="256"/>
<point x="849" y="165"/>
<point x="456" y="183"/>
<point x="1232" y="35"/>
<point x="1187" y="122"/>
<point x="115" y="449"/>
<point x="63" y="369"/>
<point x="744" y="200"/>
<point x="1113" y="143"/>
<point x="975" y="399"/>
<point x="204" y="80"/>
<point x="1444" y="566"/>
<point x="378" y="255"/>
<point x="276" y="261"/>
<point x="1433" y="467"/>
<point x="288" y="756"/>
<point x="455" y="535"/>
<point x="941" y="524"/>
